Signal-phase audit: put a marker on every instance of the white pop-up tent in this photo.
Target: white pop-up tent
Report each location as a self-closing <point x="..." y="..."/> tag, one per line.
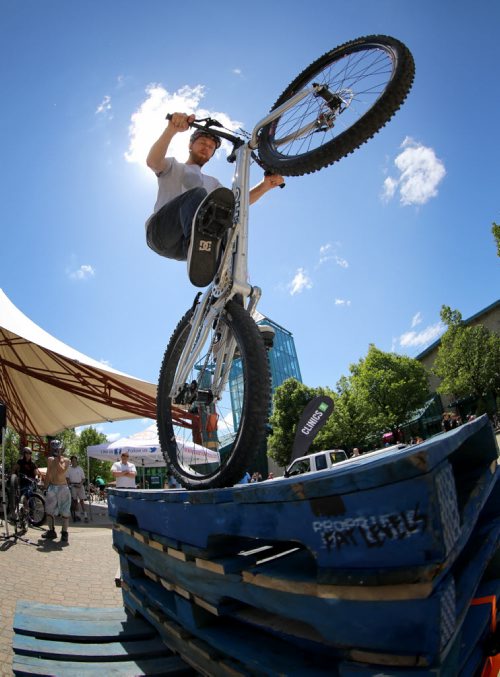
<point x="144" y="450"/>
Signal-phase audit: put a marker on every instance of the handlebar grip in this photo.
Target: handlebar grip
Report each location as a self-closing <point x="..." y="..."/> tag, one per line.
<point x="270" y="173"/>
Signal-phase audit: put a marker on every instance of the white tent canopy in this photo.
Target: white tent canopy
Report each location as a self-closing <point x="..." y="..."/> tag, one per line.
<point x="49" y="386"/>
<point x="144" y="450"/>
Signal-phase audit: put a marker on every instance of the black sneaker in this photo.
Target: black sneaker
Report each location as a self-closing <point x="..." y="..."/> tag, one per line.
<point x="64" y="537"/>
<point x="211" y="222"/>
<point x="50" y="534"/>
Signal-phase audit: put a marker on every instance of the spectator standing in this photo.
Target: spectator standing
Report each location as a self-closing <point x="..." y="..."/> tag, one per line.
<point x="124" y="472"/>
<point x="58" y="498"/>
<point x="76" y="477"/>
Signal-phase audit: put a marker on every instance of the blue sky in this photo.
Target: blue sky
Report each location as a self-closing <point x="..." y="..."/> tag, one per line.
<point x="363" y="252"/>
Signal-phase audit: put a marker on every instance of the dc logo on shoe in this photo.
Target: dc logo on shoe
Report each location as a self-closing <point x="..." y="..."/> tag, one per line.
<point x="205" y="246"/>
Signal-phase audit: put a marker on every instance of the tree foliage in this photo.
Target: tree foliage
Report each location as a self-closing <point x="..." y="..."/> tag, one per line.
<point x="381" y="393"/>
<point x="389" y="388"/>
<point x="468" y="360"/>
<point x="12" y="448"/>
<point x="289" y="401"/>
<point x="495" y="229"/>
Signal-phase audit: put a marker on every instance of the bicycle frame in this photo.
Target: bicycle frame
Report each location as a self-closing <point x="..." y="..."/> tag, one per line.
<point x="231" y="278"/>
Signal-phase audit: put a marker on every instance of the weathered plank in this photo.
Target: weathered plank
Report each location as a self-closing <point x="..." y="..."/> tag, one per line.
<point x="395" y="517"/>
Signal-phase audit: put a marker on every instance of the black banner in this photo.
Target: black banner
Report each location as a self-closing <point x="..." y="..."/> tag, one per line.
<point x="313" y="418"/>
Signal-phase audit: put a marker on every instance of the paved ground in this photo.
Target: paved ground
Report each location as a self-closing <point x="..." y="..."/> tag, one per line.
<point x="81" y="573"/>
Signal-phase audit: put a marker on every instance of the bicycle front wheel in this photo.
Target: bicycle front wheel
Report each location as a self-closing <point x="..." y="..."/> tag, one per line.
<point x="36" y="510"/>
<point x="211" y="429"/>
<point x="363" y="83"/>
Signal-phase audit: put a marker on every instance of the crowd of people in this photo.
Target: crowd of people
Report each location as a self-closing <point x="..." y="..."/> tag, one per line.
<point x="64" y="483"/>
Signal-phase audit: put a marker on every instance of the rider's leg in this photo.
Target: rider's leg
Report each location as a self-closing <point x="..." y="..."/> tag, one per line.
<point x="169" y="230"/>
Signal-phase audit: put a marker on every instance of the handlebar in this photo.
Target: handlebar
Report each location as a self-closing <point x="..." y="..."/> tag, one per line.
<point x="209" y="125"/>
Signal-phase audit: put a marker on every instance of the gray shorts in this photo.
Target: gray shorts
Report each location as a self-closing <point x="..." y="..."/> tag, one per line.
<point x="58" y="500"/>
<point x="77" y="492"/>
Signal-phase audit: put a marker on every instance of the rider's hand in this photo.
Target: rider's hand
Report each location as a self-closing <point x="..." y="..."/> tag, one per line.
<point x="179" y="122"/>
<point x="273" y="180"/>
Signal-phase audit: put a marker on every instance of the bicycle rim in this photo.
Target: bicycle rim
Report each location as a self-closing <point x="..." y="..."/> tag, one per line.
<point x="365" y="81"/>
<point x="211" y="430"/>
<point x="36" y="510"/>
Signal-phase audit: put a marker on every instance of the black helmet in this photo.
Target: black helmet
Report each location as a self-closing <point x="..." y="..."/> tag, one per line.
<point x="202" y="132"/>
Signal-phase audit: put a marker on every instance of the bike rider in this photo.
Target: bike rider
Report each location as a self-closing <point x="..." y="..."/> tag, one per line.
<point x="27" y="471"/>
<point x="193" y="211"/>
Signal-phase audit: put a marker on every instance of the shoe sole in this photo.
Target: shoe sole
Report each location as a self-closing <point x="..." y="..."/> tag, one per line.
<point x="214" y="215"/>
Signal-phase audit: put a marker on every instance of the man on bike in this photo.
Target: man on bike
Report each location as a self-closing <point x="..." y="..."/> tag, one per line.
<point x="193" y="211"/>
<point x="58" y="499"/>
<point x="26" y="470"/>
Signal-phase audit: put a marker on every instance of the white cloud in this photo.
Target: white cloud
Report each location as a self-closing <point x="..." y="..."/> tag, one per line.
<point x="420" y="173"/>
<point x="416" y="319"/>
<point x="300" y="282"/>
<point x="148" y="121"/>
<point x="82" y="273"/>
<point x="342" y="302"/>
<point x="327" y="252"/>
<point x="237" y="71"/>
<point x="112" y="437"/>
<point x="422" y="338"/>
<point x="104" y="106"/>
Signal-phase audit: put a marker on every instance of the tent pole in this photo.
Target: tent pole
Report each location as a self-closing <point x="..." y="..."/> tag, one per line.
<point x="4" y="498"/>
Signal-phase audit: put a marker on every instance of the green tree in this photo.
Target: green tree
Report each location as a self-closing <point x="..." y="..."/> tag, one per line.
<point x="468" y="360"/>
<point x="495" y="229"/>
<point x="289" y="401"/>
<point x="348" y="425"/>
<point x="12" y="448"/>
<point x="388" y="388"/>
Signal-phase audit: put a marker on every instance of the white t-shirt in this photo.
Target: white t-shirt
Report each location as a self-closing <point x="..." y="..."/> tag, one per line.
<point x="124" y="482"/>
<point x="75" y="475"/>
<point x="177" y="178"/>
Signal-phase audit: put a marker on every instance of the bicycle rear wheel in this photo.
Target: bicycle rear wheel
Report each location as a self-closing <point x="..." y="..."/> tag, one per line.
<point x="13" y="498"/>
<point x="364" y="83"/>
<point x="212" y="428"/>
<point x="36" y="510"/>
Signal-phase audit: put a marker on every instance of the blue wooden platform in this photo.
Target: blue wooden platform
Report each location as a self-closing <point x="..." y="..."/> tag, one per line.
<point x="370" y="568"/>
<point x="73" y="641"/>
<point x="393" y="517"/>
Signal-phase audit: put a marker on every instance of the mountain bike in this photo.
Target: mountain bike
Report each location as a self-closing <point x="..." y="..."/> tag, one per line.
<point x="26" y="504"/>
<point x="214" y="391"/>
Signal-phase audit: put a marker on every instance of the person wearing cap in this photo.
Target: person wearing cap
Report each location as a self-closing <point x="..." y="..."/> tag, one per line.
<point x="26" y="470"/>
<point x="124" y="472"/>
<point x="58" y="497"/>
<point x="75" y="478"/>
<point x="178" y="223"/>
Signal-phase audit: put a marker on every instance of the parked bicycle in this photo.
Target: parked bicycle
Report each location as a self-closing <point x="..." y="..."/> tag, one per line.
<point x="26" y="505"/>
<point x="214" y="387"/>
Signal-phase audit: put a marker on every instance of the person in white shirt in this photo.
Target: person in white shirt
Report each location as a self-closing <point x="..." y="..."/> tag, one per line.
<point x="75" y="477"/>
<point x="124" y="472"/>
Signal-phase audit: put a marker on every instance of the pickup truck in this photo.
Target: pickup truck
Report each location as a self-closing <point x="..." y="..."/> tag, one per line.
<point x="319" y="461"/>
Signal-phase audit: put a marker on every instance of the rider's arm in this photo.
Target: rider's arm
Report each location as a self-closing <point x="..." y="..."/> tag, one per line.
<point x="268" y="183"/>
<point x="156" y="156"/>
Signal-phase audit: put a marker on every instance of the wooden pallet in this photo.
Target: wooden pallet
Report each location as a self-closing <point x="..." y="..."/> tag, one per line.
<point x="74" y="641"/>
<point x="389" y="518"/>
<point x="401" y="624"/>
